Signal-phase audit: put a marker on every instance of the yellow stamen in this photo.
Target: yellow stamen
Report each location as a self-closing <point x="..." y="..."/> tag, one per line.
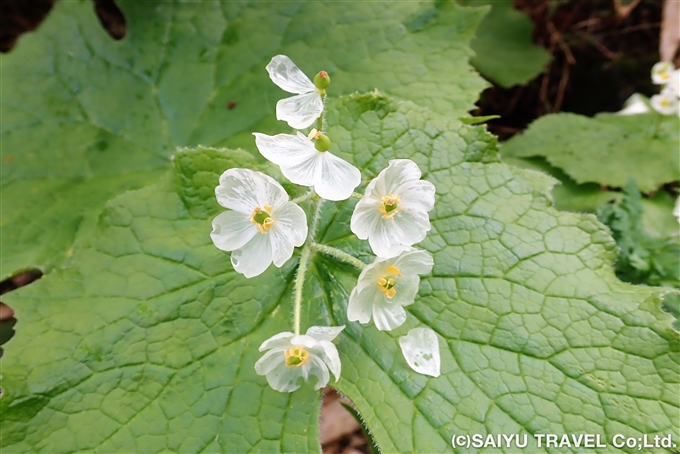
<point x="296" y="356"/>
<point x="386" y="284"/>
<point x="314" y="134"/>
<point x="262" y="218"/>
<point x="391" y="205"/>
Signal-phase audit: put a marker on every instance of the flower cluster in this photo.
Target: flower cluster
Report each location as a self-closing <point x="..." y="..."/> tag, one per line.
<point x="263" y="226"/>
<point x="666" y="102"/>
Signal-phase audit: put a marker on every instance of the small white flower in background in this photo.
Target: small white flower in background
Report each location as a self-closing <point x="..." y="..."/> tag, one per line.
<point x="665" y="102"/>
<point x="309" y="163"/>
<point x="634" y="105"/>
<point x="291" y="357"/>
<point x="385" y="286"/>
<point x="302" y="110"/>
<point x="393" y="214"/>
<point x="676" y="210"/>
<point x="661" y="72"/>
<point x="262" y="226"/>
<point x="421" y="351"/>
<point x="674" y="83"/>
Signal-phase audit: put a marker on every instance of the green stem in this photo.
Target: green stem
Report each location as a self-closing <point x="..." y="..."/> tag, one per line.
<point x="319" y="122"/>
<point x="299" y="283"/>
<point x="304" y="197"/>
<point x="356" y="195"/>
<point x="340" y="255"/>
<point x="659" y="120"/>
<point x="302" y="268"/>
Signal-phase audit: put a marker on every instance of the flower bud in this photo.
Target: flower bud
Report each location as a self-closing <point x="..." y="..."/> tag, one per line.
<point x="322" y="80"/>
<point x="323" y="143"/>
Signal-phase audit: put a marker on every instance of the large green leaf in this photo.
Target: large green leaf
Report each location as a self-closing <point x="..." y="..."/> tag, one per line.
<point x="504" y="50"/>
<point x="606" y="149"/>
<point x="152" y="337"/>
<point x="86" y="117"/>
<point x="657" y="209"/>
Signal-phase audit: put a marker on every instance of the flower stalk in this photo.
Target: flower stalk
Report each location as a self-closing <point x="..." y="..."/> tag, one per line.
<point x="340" y="255"/>
<point x="302" y="268"/>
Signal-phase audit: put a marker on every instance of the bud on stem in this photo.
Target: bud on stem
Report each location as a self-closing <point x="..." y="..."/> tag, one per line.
<point x="322" y="81"/>
<point x="323" y="143"/>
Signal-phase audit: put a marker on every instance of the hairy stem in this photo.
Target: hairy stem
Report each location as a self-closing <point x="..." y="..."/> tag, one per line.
<point x="340" y="255"/>
<point x="319" y="122"/>
<point x="304" y="197"/>
<point x="302" y="268"/>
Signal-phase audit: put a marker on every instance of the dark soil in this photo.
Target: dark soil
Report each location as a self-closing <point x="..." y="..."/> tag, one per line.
<point x="599" y="60"/>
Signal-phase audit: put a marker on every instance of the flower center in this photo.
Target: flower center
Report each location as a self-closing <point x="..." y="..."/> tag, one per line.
<point x="296" y="356"/>
<point x="391" y="206"/>
<point x="262" y="218"/>
<point x="386" y="283"/>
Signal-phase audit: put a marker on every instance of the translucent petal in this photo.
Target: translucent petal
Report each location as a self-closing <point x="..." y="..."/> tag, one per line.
<point x="281" y="246"/>
<point x="304" y="173"/>
<point x="254" y="258"/>
<point x="337" y="178"/>
<point x="414" y="261"/>
<point x="417" y="195"/>
<point x="285" y="379"/>
<point x="421" y="351"/>
<point x="365" y="217"/>
<point x="289" y="230"/>
<point x="407" y="289"/>
<point x="676" y="210"/>
<point x="388" y="316"/>
<point x="305" y="341"/>
<point x="281" y="340"/>
<point x="324" y="333"/>
<point x="300" y="111"/>
<point x="232" y="230"/>
<point x="242" y="190"/>
<point x="360" y="305"/>
<point x="411" y="226"/>
<point x="398" y="172"/>
<point x="371" y="195"/>
<point x="270" y="361"/>
<point x="331" y="358"/>
<point x="317" y="368"/>
<point x="286" y="149"/>
<point x="289" y="77"/>
<point x="291" y="221"/>
<point x="384" y="240"/>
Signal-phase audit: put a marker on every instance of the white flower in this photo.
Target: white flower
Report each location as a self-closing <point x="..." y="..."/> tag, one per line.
<point x="421" y="351"/>
<point x="385" y="286"/>
<point x="263" y="225"/>
<point x="634" y="105"/>
<point x="393" y="212"/>
<point x="676" y="210"/>
<point x="661" y="72"/>
<point x="665" y="102"/>
<point x="300" y="161"/>
<point x="673" y="84"/>
<point x="291" y="357"/>
<point x="302" y="110"/>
